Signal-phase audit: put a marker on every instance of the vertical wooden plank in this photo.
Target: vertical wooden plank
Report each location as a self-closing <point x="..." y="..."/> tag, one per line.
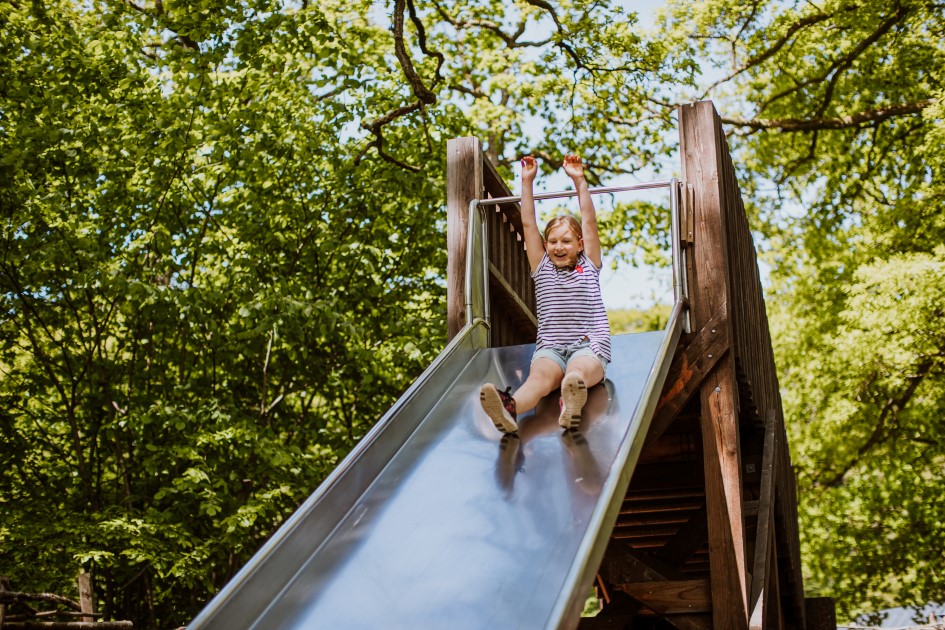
<point x="723" y="486"/>
<point x="765" y="589"/>
<point x="701" y="149"/>
<point x="463" y="184"/>
<point x="509" y="259"/>
<point x="761" y="573"/>
<point x="86" y="602"/>
<point x="3" y="608"/>
<point x="821" y="613"/>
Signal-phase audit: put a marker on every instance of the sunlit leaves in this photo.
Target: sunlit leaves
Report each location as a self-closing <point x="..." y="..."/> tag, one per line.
<point x="204" y="303"/>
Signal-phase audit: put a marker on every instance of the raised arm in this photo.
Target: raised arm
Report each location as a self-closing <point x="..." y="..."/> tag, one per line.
<point x="575" y="170"/>
<point x="534" y="244"/>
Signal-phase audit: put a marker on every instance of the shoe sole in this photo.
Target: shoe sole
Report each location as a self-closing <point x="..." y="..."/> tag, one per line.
<point x="492" y="405"/>
<point x="574" y="395"/>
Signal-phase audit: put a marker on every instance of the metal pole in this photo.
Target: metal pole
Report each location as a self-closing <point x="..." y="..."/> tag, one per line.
<point x="573" y="193"/>
<point x="680" y="291"/>
<point x="476" y="223"/>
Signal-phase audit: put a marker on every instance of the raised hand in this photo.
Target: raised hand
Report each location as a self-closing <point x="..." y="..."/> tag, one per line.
<point x="529" y="168"/>
<point x="573" y="166"/>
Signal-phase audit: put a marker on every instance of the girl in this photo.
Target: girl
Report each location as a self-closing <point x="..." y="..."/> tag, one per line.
<point x="573" y="346"/>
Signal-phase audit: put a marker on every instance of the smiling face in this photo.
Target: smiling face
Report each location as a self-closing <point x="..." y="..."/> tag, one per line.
<point x="563" y="244"/>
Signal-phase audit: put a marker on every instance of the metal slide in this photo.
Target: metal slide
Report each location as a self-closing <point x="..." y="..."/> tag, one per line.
<point x="436" y="520"/>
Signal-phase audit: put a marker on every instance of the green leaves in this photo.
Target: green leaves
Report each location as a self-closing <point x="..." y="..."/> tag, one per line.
<point x="205" y="302"/>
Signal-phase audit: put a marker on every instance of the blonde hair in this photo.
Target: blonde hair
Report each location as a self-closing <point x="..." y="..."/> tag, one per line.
<point x="568" y="220"/>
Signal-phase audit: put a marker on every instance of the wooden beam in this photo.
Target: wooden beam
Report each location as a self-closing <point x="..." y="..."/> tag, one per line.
<point x="86" y="601"/>
<point x="623" y="622"/>
<point x="464" y="171"/>
<point x="624" y="565"/>
<point x="821" y="613"/>
<point x="508" y="293"/>
<point x="687" y="371"/>
<point x="702" y="148"/>
<point x="761" y="572"/>
<point x="690" y="538"/>
<point x="495" y="186"/>
<point x="671" y="598"/>
<point x="723" y="487"/>
<point x="4" y="586"/>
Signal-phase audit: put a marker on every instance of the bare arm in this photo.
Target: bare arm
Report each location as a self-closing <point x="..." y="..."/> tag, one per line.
<point x="575" y="170"/>
<point x="534" y="244"/>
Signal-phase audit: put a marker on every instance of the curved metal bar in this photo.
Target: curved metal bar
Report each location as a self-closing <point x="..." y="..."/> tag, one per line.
<point x="573" y="193"/>
<point x="477" y="223"/>
<point x="680" y="288"/>
<point x="477" y="267"/>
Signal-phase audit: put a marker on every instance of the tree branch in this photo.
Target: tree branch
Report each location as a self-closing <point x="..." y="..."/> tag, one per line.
<point x="837" y="66"/>
<point x="422" y="41"/>
<point x="424" y="95"/>
<point x="847" y="61"/>
<point x="839" y="122"/>
<point x="773" y="49"/>
<point x="891" y="408"/>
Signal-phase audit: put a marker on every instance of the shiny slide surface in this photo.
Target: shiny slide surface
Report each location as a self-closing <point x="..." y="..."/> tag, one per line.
<point x="435" y="520"/>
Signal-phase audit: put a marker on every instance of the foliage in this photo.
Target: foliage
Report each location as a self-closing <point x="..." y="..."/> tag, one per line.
<point x="205" y="301"/>
<point x="872" y="453"/>
<point x="624" y="321"/>
<point x="222" y="251"/>
<point x="839" y="148"/>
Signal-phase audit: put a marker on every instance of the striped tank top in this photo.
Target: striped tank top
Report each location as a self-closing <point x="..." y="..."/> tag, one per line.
<point x="570" y="306"/>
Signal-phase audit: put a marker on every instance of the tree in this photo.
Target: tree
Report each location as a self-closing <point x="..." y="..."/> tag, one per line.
<point x="205" y="301"/>
<point x="835" y="113"/>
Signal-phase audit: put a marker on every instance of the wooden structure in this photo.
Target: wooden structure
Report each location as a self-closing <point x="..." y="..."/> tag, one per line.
<point x="18" y="613"/>
<point x="707" y="534"/>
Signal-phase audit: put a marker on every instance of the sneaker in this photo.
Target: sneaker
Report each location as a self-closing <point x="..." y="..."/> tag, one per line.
<point x="500" y="407"/>
<point x="573" y="397"/>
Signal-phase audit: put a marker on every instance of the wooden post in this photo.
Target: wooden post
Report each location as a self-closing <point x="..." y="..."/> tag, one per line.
<point x="3" y="608"/>
<point x="764" y="591"/>
<point x="821" y="613"/>
<point x="464" y="173"/>
<point x="86" y="601"/>
<point x="701" y="146"/>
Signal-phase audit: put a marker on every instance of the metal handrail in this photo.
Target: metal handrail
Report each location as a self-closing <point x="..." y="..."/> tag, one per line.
<point x="573" y="193"/>
<point x="477" y="224"/>
<point x="477" y="302"/>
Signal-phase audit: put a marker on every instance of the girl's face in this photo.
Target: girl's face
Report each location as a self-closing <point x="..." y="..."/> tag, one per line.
<point x="563" y="246"/>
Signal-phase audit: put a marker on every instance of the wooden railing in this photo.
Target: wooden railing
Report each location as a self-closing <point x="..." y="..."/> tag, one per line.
<point x="511" y="290"/>
<point x="756" y="370"/>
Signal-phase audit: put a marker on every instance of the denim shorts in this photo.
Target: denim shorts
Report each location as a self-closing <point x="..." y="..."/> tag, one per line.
<point x="562" y="355"/>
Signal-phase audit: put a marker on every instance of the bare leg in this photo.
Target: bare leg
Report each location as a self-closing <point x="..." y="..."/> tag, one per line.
<point x="503" y="409"/>
<point x="543" y="378"/>
<point x="588" y="369"/>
